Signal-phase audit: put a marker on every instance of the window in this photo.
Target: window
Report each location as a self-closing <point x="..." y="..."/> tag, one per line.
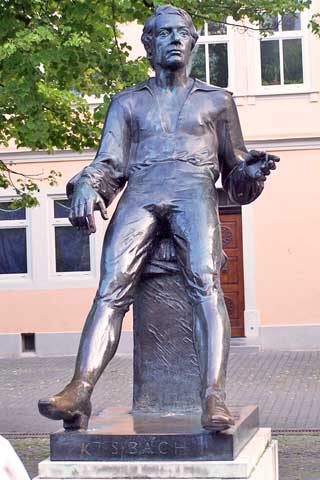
<point x="28" y="342"/>
<point x="71" y="246"/>
<point x="39" y="248"/>
<point x="281" y="54"/>
<point x="13" y="240"/>
<point x="210" y="61"/>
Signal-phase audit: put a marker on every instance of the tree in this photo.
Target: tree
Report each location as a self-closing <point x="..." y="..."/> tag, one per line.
<point x="55" y="53"/>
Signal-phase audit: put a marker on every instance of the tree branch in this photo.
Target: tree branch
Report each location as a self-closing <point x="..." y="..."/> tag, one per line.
<point x="13" y="185"/>
<point x="44" y="7"/>
<point x="25" y="175"/>
<point x="149" y="5"/>
<point x="113" y="8"/>
<point x="45" y="107"/>
<point x="237" y="25"/>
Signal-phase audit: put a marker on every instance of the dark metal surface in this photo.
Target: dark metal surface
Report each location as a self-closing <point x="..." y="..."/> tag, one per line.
<point x="116" y="435"/>
<point x="166" y="368"/>
<point x="167" y="139"/>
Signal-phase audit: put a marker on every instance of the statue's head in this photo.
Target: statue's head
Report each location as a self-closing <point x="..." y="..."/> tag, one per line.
<point x="169" y="37"/>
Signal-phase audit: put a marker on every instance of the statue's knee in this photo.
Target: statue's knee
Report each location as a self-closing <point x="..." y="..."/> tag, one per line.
<point x="204" y="284"/>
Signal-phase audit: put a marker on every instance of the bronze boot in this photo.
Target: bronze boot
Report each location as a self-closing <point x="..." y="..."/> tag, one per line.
<point x="215" y="415"/>
<point x="72" y="405"/>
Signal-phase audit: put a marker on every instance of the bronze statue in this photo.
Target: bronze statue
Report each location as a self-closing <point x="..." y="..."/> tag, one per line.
<point x="167" y="139"/>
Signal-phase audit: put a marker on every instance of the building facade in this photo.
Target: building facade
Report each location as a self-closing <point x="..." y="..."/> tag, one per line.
<point x="49" y="271"/>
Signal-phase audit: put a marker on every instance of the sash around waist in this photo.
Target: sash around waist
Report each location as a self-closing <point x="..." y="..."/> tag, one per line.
<point x="211" y="165"/>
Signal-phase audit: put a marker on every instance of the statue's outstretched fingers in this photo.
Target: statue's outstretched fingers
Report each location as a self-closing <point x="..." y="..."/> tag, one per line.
<point x="265" y="169"/>
<point x="91" y="224"/>
<point x="272" y="165"/>
<point x="102" y="208"/>
<point x="274" y="158"/>
<point x="260" y="175"/>
<point x="73" y="221"/>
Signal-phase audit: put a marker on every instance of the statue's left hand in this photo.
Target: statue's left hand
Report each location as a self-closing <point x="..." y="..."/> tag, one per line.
<point x="260" y="164"/>
<point x="84" y="201"/>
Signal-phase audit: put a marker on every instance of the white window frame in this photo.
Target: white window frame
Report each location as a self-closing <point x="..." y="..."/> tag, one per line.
<point x="41" y="248"/>
<point x="280" y="36"/>
<point x="9" y="278"/>
<point x="53" y="222"/>
<point x="227" y="38"/>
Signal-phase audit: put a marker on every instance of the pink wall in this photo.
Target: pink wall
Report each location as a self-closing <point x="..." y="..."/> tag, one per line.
<point x="44" y="310"/>
<point x="286" y="235"/>
<point x="286" y="216"/>
<point x="279" y="118"/>
<point x="47" y="310"/>
<point x="287" y="232"/>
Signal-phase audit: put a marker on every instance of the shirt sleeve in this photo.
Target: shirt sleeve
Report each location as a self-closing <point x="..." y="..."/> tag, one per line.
<point x="241" y="187"/>
<point x="107" y="173"/>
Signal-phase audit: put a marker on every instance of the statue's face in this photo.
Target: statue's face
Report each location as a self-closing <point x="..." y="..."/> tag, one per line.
<point x="172" y="42"/>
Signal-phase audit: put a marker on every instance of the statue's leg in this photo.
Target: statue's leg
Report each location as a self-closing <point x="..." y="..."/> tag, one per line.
<point x="196" y="233"/>
<point x="127" y="243"/>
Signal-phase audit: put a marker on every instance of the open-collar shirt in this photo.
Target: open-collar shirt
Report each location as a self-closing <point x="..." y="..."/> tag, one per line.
<point x="207" y="133"/>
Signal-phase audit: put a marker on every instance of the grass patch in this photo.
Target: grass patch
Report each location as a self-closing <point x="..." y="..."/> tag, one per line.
<point x="31" y="451"/>
<point x="299" y="457"/>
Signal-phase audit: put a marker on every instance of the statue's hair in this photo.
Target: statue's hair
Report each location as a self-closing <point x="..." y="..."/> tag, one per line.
<point x="148" y="29"/>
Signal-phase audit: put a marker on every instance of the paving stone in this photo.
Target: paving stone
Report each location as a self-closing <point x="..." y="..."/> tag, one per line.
<point x="285" y="385"/>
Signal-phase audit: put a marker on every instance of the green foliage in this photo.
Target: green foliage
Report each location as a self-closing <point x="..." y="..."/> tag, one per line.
<point x="24" y="185"/>
<point x="54" y="53"/>
<point x="314" y="23"/>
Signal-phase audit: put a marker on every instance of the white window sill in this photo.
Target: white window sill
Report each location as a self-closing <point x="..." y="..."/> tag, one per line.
<point x="53" y="283"/>
<point x="268" y="92"/>
<point x="15" y="282"/>
<point x="310" y="95"/>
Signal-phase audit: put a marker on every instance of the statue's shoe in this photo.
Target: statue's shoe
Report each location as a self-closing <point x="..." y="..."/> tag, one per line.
<point x="72" y="405"/>
<point x="216" y="416"/>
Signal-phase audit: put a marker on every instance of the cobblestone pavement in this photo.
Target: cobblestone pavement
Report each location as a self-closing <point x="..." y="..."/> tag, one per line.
<point x="285" y="385"/>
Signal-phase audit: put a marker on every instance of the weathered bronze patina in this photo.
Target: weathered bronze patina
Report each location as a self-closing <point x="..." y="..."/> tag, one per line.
<point x="166" y="141"/>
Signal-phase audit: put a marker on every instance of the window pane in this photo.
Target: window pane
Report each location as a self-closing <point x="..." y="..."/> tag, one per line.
<point x="72" y="250"/>
<point x="290" y="22"/>
<point x="215" y="28"/>
<point x="13" y="250"/>
<point x="218" y="61"/>
<point x="62" y="208"/>
<point x="270" y="62"/>
<point x="7" y="213"/>
<point x="271" y="24"/>
<point x="198" y="62"/>
<point x="292" y="60"/>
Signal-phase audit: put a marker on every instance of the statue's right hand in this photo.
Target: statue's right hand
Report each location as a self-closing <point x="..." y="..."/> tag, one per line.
<point x="84" y="200"/>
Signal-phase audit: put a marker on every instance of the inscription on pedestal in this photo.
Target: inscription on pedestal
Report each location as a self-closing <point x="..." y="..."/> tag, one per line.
<point x="124" y="436"/>
<point x="139" y="447"/>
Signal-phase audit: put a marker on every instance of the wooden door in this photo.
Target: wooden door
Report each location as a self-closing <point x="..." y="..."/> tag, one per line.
<point x="232" y="272"/>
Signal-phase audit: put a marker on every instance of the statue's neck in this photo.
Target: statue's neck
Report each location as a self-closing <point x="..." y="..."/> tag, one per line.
<point x="168" y="79"/>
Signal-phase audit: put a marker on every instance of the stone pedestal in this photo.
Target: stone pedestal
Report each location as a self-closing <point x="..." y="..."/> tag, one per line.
<point x="258" y="460"/>
<point x="166" y="370"/>
<point x="162" y="437"/>
<point x="116" y="435"/>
